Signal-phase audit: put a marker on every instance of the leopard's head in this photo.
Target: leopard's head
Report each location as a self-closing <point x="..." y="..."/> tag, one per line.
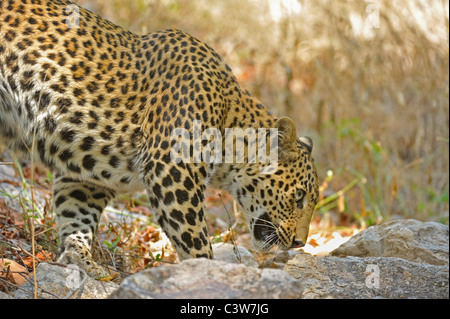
<point x="279" y="206"/>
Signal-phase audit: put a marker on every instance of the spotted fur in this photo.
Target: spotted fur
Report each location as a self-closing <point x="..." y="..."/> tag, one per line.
<point x="96" y="104"/>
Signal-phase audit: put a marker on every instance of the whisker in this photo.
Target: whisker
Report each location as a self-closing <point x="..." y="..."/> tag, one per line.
<point x="261" y="247"/>
<point x="267" y="243"/>
<point x="258" y="218"/>
<point x="269" y="232"/>
<point x="265" y="225"/>
<point x="276" y="251"/>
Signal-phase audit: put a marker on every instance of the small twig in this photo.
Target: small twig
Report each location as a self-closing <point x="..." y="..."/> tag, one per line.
<point x="236" y="251"/>
<point x="9" y="284"/>
<point x="25" y="252"/>
<point x="46" y="230"/>
<point x="7" y="181"/>
<point x="6" y="163"/>
<point x="103" y="255"/>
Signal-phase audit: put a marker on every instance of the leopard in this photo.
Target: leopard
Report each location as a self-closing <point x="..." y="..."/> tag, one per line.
<point x="97" y="104"/>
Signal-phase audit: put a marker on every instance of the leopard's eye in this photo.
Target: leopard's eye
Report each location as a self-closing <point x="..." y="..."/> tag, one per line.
<point x="299" y="195"/>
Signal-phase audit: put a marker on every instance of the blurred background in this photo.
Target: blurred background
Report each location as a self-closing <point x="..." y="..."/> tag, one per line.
<point x="367" y="80"/>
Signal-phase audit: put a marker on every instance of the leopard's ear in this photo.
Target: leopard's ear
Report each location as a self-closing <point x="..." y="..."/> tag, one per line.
<point x="307" y="142"/>
<point x="287" y="134"/>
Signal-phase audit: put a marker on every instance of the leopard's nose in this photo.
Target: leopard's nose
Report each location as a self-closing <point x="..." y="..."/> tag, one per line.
<point x="297" y="243"/>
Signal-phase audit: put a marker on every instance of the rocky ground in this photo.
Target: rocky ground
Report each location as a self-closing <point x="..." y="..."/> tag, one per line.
<point x="398" y="259"/>
<point x="403" y="258"/>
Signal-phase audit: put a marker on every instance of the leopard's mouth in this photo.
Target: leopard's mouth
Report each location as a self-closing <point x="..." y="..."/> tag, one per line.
<point x="264" y="233"/>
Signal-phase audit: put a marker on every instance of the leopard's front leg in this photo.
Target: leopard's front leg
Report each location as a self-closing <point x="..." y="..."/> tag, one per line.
<point x="78" y="207"/>
<point x="176" y="193"/>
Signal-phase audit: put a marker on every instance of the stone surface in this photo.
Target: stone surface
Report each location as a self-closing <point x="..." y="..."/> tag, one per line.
<point x="368" y="277"/>
<point x="209" y="279"/>
<point x="58" y="282"/>
<point x="413" y="240"/>
<point x="233" y="254"/>
<point x="4" y="295"/>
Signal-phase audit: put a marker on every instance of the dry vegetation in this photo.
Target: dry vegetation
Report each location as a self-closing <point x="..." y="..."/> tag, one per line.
<point x="375" y="101"/>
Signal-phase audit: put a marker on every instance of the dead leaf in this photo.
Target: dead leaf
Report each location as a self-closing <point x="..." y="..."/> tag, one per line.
<point x="40" y="256"/>
<point x="313" y="242"/>
<point x="13" y="272"/>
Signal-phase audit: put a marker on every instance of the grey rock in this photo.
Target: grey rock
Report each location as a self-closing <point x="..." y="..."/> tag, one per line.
<point x="7" y="172"/>
<point x="368" y="277"/>
<point x="413" y="240"/>
<point x="4" y="295"/>
<point x="56" y="282"/>
<point x="209" y="279"/>
<point x="233" y="254"/>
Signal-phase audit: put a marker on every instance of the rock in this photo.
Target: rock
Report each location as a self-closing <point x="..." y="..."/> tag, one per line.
<point x="209" y="279"/>
<point x="413" y="240"/>
<point x="368" y="277"/>
<point x="397" y="259"/>
<point x="229" y="253"/>
<point x="4" y="295"/>
<point x="277" y="259"/>
<point x="7" y="172"/>
<point x="59" y="282"/>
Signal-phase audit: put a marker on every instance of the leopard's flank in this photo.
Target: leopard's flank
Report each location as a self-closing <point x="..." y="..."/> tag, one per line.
<point x="96" y="104"/>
